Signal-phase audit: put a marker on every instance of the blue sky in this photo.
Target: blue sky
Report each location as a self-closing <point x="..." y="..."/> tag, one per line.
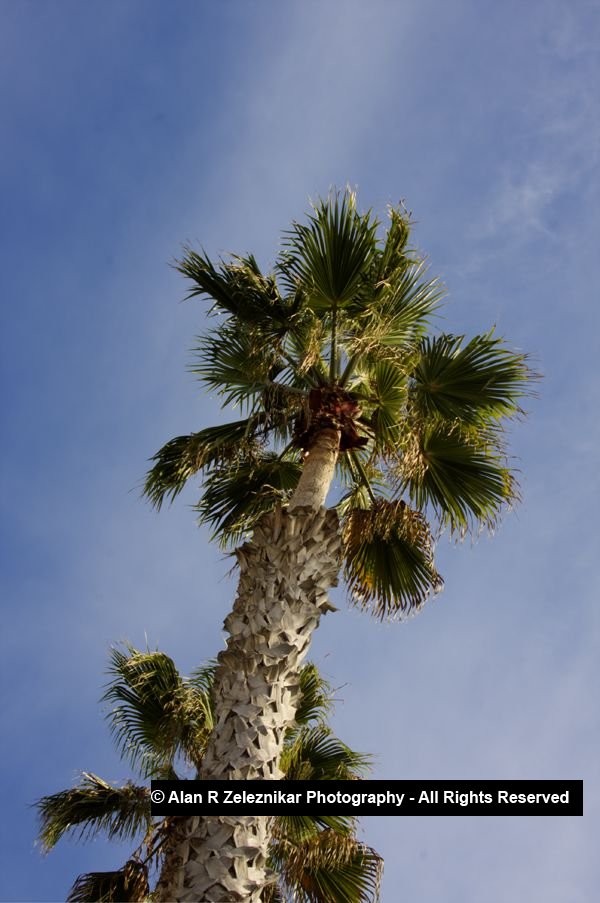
<point x="130" y="128"/>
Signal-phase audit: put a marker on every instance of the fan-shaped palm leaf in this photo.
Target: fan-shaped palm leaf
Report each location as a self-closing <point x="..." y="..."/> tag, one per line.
<point x="314" y="754"/>
<point x="127" y="884"/>
<point x="94" y="807"/>
<point x="237" y="364"/>
<point x="463" y="383"/>
<point x="328" y="868"/>
<point x="185" y="456"/>
<point x="331" y="255"/>
<point x="238" y="288"/>
<point x="388" y="326"/>
<point x="388" y="557"/>
<point x="233" y="500"/>
<point x="315" y="696"/>
<point x="155" y="714"/>
<point x="461" y="474"/>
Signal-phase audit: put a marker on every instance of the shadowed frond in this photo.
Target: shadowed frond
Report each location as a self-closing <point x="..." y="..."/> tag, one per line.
<point x="92" y="807"/>
<point x="387" y="388"/>
<point x="298" y="828"/>
<point x="238" y="364"/>
<point x="460" y="382"/>
<point x="127" y="885"/>
<point x="185" y="456"/>
<point x="388" y="327"/>
<point x="156" y="713"/>
<point x="315" y="754"/>
<point x="234" y="499"/>
<point x="388" y="558"/>
<point x="329" y="868"/>
<point x="461" y="474"/>
<point x="152" y="701"/>
<point x="238" y="288"/>
<point x="331" y="255"/>
<point x="315" y="696"/>
<point x="202" y="679"/>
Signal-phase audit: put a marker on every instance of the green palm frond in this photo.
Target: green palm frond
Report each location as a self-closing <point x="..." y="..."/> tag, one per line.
<point x="364" y="478"/>
<point x="462" y="382"/>
<point x="305" y="344"/>
<point x="93" y="807"/>
<point x="388" y="558"/>
<point x="461" y="474"/>
<point x="331" y="255"/>
<point x="389" y="326"/>
<point x="387" y="401"/>
<point x="156" y="714"/>
<point x="405" y="306"/>
<point x="394" y="257"/>
<point x="127" y="884"/>
<point x="329" y="868"/>
<point x="237" y="364"/>
<point x="315" y="696"/>
<point x="238" y="288"/>
<point x="315" y="754"/>
<point x="185" y="456"/>
<point x="153" y="705"/>
<point x="234" y="499"/>
<point x="202" y="679"/>
<point x="297" y="828"/>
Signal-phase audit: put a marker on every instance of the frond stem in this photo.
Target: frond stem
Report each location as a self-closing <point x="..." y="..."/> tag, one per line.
<point x="363" y="474"/>
<point x="333" y="356"/>
<point x="286" y="450"/>
<point x="348" y="369"/>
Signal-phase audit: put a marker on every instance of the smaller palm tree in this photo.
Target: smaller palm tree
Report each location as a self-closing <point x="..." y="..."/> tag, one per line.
<point x="161" y="722"/>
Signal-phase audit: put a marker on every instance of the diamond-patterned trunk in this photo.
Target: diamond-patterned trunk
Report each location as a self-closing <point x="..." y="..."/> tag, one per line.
<point x="286" y="571"/>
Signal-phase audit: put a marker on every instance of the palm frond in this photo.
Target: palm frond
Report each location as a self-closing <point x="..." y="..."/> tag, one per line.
<point x="330" y="255"/>
<point x="185" y="456"/>
<point x="155" y="714"/>
<point x="461" y="473"/>
<point x="306" y="346"/>
<point x="297" y="828"/>
<point x="389" y="325"/>
<point x="236" y="363"/>
<point x="122" y="886"/>
<point x="462" y="382"/>
<point x="94" y="807"/>
<point x="315" y="754"/>
<point x="238" y="288"/>
<point x="406" y="305"/>
<point x="388" y="558"/>
<point x="329" y="868"/>
<point x="315" y="696"/>
<point x="387" y="403"/>
<point x="202" y="679"/>
<point x="394" y="257"/>
<point x="234" y="499"/>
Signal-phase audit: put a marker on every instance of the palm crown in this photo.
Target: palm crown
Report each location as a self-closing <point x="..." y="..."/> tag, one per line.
<point x="162" y="722"/>
<point x="338" y="336"/>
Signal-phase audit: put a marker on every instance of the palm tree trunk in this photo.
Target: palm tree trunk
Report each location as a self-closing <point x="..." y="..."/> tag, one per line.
<point x="285" y="573"/>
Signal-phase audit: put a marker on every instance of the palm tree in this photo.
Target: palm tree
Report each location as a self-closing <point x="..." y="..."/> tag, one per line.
<point x="331" y="361"/>
<point x="161" y="722"/>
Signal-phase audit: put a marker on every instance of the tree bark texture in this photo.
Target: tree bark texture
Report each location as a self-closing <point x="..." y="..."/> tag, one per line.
<point x="285" y="573"/>
<point x="317" y="471"/>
